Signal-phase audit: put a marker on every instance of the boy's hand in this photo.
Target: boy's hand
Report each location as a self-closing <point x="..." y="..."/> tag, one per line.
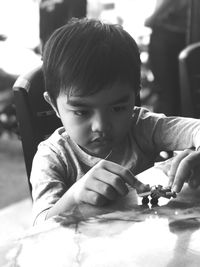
<point x="105" y="181"/>
<point x="185" y="168"/>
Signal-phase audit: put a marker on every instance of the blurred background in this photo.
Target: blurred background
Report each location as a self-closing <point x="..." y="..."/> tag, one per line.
<point x="24" y="27"/>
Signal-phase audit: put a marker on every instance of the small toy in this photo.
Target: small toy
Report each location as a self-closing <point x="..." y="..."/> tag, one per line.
<point x="155" y="193"/>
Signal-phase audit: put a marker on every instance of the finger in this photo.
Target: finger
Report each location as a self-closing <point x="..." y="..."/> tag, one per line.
<point x="114" y="180"/>
<point x="117" y="183"/>
<point x="94" y="198"/>
<point x="175" y="164"/>
<point x="103" y="188"/>
<point x="183" y="172"/>
<point x="119" y="170"/>
<point x="194" y="181"/>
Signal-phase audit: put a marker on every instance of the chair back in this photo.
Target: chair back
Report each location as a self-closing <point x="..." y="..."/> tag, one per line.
<point x="36" y="119"/>
<point x="189" y="71"/>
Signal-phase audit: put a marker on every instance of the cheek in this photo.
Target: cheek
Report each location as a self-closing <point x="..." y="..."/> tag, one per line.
<point x="77" y="131"/>
<point x="122" y="125"/>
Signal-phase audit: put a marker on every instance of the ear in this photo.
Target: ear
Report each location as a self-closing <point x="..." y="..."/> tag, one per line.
<point x="48" y="99"/>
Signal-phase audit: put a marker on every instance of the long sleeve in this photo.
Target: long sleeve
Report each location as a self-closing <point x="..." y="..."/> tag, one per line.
<point x="175" y="133"/>
<point x="156" y="132"/>
<point x="49" y="181"/>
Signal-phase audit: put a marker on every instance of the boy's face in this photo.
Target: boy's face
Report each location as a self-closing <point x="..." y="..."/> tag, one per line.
<point x="99" y="122"/>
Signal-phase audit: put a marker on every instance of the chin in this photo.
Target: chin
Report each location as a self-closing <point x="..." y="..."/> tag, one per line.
<point x="102" y="154"/>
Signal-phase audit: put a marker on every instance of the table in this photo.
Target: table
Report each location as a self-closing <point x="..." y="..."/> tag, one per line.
<point x="126" y="233"/>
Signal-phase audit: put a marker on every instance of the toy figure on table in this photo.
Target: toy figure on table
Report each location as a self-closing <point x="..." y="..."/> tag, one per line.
<point x="155" y="193"/>
<point x="145" y="190"/>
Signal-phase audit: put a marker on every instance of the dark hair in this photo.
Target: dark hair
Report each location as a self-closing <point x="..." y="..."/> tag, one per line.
<point x="85" y="55"/>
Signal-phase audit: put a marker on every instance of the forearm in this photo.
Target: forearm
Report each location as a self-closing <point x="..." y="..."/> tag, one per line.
<point x="65" y="204"/>
<point x="196" y="139"/>
<point x="177" y="133"/>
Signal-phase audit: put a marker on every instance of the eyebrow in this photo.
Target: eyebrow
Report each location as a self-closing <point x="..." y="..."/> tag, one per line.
<point x="81" y="103"/>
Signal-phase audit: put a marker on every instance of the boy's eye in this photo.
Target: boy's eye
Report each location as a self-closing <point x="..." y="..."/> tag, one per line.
<point x="80" y="112"/>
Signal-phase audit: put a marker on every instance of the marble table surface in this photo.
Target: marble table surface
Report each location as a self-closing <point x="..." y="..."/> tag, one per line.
<point x="125" y="233"/>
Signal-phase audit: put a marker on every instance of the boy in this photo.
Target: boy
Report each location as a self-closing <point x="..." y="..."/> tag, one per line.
<point x="92" y="78"/>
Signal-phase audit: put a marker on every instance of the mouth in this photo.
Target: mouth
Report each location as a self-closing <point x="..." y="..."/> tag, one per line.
<point x="101" y="141"/>
<point x="100" y="145"/>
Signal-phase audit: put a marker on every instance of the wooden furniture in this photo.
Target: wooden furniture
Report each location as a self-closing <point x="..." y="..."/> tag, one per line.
<point x="125" y="233"/>
<point x="36" y="119"/>
<point x="193" y="33"/>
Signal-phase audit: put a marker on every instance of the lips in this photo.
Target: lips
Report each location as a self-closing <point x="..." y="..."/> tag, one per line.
<point x="101" y="141"/>
<point x="100" y="146"/>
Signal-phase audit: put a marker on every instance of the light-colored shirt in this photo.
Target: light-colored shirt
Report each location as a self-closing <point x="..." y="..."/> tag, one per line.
<point x="60" y="162"/>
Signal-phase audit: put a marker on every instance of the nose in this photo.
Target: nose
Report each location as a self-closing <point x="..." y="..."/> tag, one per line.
<point x="101" y="122"/>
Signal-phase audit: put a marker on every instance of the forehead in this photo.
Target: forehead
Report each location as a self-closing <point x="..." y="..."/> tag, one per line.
<point x="117" y="93"/>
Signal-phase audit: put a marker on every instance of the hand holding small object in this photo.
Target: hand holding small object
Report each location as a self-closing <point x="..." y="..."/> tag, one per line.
<point x="104" y="182"/>
<point x="185" y="167"/>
